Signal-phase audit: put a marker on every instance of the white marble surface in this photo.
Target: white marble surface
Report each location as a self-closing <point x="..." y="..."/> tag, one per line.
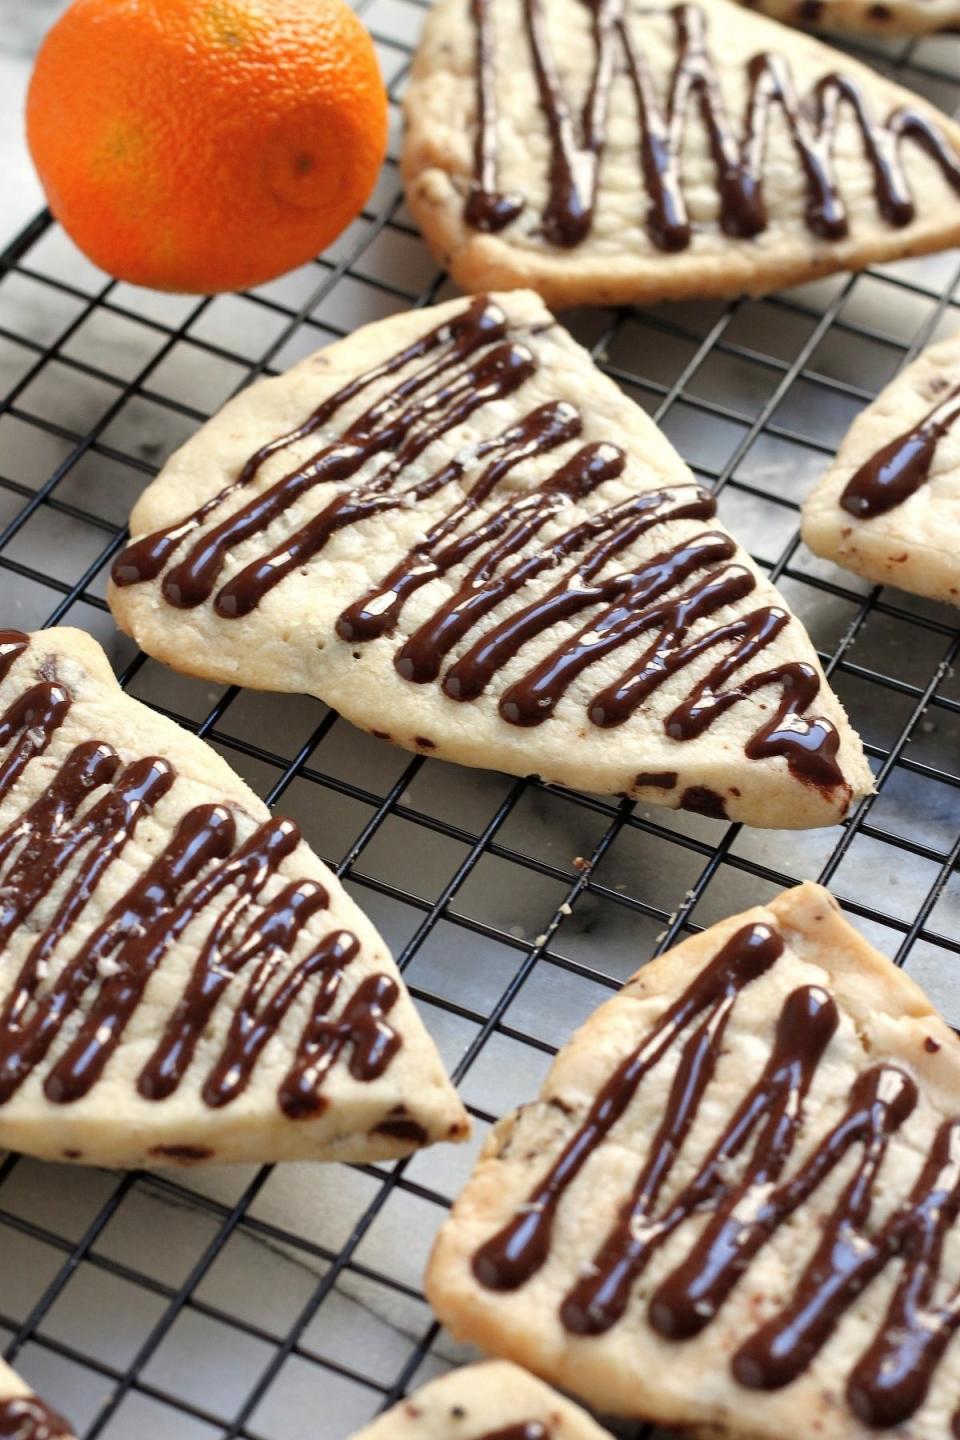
<point x="649" y="871"/>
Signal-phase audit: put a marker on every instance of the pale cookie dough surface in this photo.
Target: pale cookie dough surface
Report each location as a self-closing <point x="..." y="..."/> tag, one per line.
<point x="865" y="17"/>
<point x="23" y="1416"/>
<point x="915" y="545"/>
<point x="887" y="1041"/>
<point x="290" y="640"/>
<point x="618" y="260"/>
<point x="490" y="1401"/>
<point x="172" y="953"/>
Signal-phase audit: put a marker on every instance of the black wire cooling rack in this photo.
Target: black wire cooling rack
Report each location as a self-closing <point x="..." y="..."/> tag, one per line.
<point x="285" y="1304"/>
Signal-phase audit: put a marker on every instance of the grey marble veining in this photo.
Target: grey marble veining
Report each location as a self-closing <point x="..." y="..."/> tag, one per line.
<point x="156" y="1239"/>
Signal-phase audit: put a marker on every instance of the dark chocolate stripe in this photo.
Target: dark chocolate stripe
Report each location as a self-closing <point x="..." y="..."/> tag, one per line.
<point x="486" y="210"/>
<point x="69" y="838"/>
<point x="890" y="1381"/>
<point x="737" y="1199"/>
<point x="496" y="374"/>
<point x="577" y="141"/>
<point x="12" y="645"/>
<point x="511" y="1257"/>
<point x="480" y="323"/>
<point x="771" y="1112"/>
<point x="441" y="382"/>
<point x="899" y="468"/>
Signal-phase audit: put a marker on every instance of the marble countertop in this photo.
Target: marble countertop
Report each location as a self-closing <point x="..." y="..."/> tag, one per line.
<point x="267" y="1272"/>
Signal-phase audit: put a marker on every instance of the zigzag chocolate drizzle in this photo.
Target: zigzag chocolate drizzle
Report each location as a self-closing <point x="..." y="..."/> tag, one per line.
<point x="741" y="1190"/>
<point x="450" y="374"/>
<point x="577" y="141"/>
<point x="75" y="830"/>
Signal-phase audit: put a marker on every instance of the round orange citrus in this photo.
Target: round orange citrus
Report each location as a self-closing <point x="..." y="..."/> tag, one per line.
<point x="206" y="145"/>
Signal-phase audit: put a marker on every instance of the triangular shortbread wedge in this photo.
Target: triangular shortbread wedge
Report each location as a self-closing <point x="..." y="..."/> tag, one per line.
<point x="620" y="151"/>
<point x="454" y="529"/>
<point x="489" y="1401"/>
<point x="24" y="1416"/>
<point x="889" y="505"/>
<point x="869" y="17"/>
<point x="181" y="979"/>
<point x="734" y="1205"/>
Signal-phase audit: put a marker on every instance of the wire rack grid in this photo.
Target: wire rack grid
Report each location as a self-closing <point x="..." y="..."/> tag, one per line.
<point x="285" y="1304"/>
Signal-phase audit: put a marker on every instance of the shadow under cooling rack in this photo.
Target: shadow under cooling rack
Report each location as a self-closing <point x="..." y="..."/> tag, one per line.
<point x="285" y="1303"/>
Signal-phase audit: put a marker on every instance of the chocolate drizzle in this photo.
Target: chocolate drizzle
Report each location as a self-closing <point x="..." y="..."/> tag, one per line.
<point x="577" y="141"/>
<point x="511" y="1257"/>
<point x="70" y="836"/>
<point x="746" y="1188"/>
<point x="526" y="1430"/>
<point x="498" y="547"/>
<point x="146" y="558"/>
<point x="900" y="467"/>
<point x="26" y="1417"/>
<point x="889" y="1382"/>
<point x="486" y="210"/>
<point x="769" y="1115"/>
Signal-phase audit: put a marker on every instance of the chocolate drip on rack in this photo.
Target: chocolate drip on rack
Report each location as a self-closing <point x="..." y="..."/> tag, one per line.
<point x="69" y="837"/>
<point x="577" y="141"/>
<point x="26" y="1417"/>
<point x="442" y="380"/>
<point x="900" y="467"/>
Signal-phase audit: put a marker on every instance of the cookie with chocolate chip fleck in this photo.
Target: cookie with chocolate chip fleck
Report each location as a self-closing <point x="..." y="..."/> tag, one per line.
<point x="866" y="17"/>
<point x="182" y="981"/>
<point x="453" y="528"/>
<point x="744" y="1219"/>
<point x="613" y="152"/>
<point x="888" y="507"/>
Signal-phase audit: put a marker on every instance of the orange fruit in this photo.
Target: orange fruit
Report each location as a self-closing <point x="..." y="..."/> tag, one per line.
<point x="206" y="145"/>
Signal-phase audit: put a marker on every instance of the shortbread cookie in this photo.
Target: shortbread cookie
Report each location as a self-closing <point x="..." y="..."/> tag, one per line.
<point x="24" y="1416"/>
<point x="621" y="151"/>
<point x="888" y="17"/>
<point x="889" y="505"/>
<point x="455" y="530"/>
<point x="181" y="979"/>
<point x="734" y="1206"/>
<point x="492" y="1401"/>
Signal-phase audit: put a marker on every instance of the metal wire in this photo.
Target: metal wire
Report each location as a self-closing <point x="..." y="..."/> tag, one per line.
<point x="513" y="906"/>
